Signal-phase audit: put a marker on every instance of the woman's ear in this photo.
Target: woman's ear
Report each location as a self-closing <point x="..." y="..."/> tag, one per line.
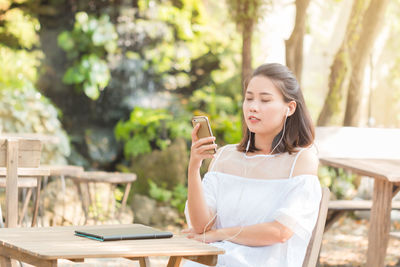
<point x="291" y="107"/>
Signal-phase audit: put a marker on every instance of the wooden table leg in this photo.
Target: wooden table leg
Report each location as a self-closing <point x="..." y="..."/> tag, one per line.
<point x="143" y="261"/>
<point x="174" y="261"/>
<point x="5" y="262"/>
<point x="378" y="236"/>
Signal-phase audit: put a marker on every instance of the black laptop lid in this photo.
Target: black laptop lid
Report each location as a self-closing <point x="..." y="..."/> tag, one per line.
<point x="123" y="232"/>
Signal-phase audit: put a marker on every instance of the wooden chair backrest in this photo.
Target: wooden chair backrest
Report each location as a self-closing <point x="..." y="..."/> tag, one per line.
<point x="358" y="142"/>
<point x="16" y="154"/>
<point x="311" y="258"/>
<point x="28" y="150"/>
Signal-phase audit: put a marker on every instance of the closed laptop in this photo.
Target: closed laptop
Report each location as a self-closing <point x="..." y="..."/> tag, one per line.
<point x="123" y="232"/>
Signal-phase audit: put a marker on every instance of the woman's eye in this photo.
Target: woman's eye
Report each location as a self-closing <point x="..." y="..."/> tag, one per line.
<point x="249" y="99"/>
<point x="264" y="100"/>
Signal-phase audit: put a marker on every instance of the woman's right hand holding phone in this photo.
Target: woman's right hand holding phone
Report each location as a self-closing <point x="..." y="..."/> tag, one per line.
<point x="200" y="148"/>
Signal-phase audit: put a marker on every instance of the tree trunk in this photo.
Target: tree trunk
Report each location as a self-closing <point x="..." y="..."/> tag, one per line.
<point x="247" y="33"/>
<point x="370" y="27"/>
<point x="294" y="45"/>
<point x="341" y="68"/>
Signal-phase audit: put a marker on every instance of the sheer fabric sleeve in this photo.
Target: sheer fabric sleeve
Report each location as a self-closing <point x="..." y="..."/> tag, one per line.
<point x="299" y="211"/>
<point x="210" y="188"/>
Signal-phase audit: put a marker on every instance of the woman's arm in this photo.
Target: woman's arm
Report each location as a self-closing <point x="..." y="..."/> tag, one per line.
<point x="199" y="213"/>
<point x="262" y="234"/>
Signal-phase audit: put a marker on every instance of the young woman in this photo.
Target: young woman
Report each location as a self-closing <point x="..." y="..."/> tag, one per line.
<point x="260" y="199"/>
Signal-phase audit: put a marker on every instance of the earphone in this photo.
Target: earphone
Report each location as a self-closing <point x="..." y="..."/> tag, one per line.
<point x="287" y="113"/>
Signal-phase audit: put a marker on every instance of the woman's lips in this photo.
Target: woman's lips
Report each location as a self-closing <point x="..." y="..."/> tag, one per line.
<point x="253" y="119"/>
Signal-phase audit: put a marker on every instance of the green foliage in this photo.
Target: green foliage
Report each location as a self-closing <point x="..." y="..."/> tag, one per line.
<point x="247" y="10"/>
<point x="149" y="128"/>
<point x="186" y="48"/>
<point x="87" y="46"/>
<point x="177" y="197"/>
<point x="22" y="108"/>
<point x="223" y="112"/>
<point x="18" y="28"/>
<point x="339" y="182"/>
<point x="159" y="193"/>
<point x="18" y="66"/>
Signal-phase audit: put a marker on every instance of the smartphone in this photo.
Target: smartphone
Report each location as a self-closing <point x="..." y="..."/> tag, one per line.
<point x="204" y="130"/>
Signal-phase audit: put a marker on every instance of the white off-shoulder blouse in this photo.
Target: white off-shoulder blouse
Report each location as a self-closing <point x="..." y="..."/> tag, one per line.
<point x="245" y="190"/>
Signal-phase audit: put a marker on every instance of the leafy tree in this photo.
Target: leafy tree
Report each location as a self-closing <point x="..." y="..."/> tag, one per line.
<point x="246" y="14"/>
<point x="350" y="61"/>
<point x="371" y="23"/>
<point x="87" y="45"/>
<point x="186" y="52"/>
<point x="341" y="67"/>
<point x="23" y="109"/>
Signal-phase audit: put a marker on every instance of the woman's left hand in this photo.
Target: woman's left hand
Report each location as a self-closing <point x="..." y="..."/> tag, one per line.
<point x="208" y="237"/>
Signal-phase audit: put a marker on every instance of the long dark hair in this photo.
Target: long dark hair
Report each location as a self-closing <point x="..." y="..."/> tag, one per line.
<point x="299" y="130"/>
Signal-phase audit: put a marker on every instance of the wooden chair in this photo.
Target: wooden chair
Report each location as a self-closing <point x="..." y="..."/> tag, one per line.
<point x="312" y="254"/>
<point x="19" y="160"/>
<point x="111" y="178"/>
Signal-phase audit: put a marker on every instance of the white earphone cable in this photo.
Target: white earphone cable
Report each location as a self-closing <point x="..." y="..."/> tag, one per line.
<point x="241" y="193"/>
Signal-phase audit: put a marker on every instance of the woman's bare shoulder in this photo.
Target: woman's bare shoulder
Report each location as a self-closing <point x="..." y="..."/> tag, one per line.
<point x="214" y="164"/>
<point x="307" y="162"/>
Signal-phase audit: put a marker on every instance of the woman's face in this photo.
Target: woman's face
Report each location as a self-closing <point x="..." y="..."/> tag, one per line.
<point x="264" y="108"/>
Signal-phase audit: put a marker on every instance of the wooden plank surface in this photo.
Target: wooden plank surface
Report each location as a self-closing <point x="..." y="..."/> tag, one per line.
<point x="63" y="170"/>
<point x="28" y="172"/>
<point x="22" y="182"/>
<point x="44" y="138"/>
<point x="11" y="183"/>
<point x="350" y="205"/>
<point x="28" y="152"/>
<point x="358" y="142"/>
<point x="105" y="177"/>
<point x="386" y="169"/>
<point x="395" y="235"/>
<point x="61" y="243"/>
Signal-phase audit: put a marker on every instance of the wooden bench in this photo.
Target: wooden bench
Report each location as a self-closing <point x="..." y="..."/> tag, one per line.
<point x="112" y="178"/>
<point x="338" y="208"/>
<point x="355" y="142"/>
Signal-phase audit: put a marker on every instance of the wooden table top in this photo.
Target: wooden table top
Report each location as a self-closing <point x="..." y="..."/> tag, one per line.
<point x="387" y="169"/>
<point x="61" y="243"/>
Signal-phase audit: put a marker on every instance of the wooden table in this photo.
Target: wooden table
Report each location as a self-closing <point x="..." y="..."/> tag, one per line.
<point x="43" y="246"/>
<point x="386" y="173"/>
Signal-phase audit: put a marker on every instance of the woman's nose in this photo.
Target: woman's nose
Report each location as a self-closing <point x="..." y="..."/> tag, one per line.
<point x="253" y="106"/>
